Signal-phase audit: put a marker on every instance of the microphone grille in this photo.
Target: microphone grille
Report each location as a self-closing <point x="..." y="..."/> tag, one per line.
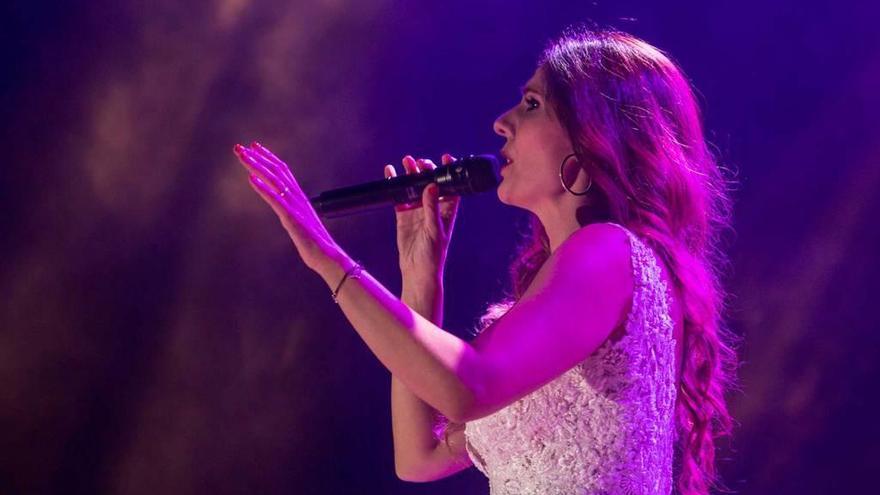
<point x="482" y="172"/>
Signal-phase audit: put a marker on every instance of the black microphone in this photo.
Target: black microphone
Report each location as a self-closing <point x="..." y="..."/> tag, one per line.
<point x="468" y="175"/>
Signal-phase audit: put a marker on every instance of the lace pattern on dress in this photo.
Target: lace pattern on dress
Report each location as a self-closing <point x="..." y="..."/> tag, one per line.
<point x="603" y="427"/>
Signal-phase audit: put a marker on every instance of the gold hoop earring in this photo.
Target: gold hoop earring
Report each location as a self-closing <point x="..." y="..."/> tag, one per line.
<point x="562" y="180"/>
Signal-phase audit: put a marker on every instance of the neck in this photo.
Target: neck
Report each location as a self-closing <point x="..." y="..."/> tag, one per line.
<point x="561" y="219"/>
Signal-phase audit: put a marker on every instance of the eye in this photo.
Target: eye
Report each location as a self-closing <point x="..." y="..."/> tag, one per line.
<point x="531" y="103"/>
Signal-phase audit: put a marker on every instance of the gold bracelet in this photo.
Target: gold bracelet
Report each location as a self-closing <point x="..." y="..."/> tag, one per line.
<point x="353" y="272"/>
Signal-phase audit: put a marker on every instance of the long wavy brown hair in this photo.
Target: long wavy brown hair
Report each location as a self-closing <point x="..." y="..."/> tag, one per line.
<point x="635" y="125"/>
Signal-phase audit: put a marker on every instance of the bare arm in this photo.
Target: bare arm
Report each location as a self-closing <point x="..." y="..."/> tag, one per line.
<point x="577" y="298"/>
<point x="434" y="364"/>
<point x="574" y="302"/>
<point x="418" y="455"/>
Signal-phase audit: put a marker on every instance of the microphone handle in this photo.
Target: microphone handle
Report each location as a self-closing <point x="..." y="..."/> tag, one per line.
<point x="471" y="174"/>
<point x="372" y="195"/>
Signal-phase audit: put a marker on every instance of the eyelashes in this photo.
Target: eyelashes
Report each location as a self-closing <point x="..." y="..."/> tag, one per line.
<point x="531" y="103"/>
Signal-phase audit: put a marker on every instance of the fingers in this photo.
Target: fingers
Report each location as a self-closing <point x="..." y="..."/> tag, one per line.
<point x="430" y="208"/>
<point x="410" y="165"/>
<point x="446" y="159"/>
<point x="415" y="166"/>
<point x="258" y="167"/>
<point x="389" y="173"/>
<point x="268" y="154"/>
<point x="279" y="167"/>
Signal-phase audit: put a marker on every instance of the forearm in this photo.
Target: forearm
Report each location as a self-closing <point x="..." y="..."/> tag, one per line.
<point x="425" y="297"/>
<point x="412" y="427"/>
<point x="412" y="419"/>
<point x="435" y="365"/>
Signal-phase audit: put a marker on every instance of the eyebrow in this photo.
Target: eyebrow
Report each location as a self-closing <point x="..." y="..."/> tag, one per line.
<point x="526" y="89"/>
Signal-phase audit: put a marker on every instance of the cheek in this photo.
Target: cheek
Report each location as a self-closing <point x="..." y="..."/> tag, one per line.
<point x="545" y="143"/>
<point x="541" y="172"/>
<point x="525" y="186"/>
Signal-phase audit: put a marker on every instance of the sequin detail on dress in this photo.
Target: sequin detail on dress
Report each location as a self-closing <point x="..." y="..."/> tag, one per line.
<point x="603" y="427"/>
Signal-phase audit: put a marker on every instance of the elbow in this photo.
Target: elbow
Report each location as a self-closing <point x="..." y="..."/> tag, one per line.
<point x="404" y="475"/>
<point x="469" y="401"/>
<point x="413" y="474"/>
<point x="464" y="415"/>
<point x="460" y="413"/>
<point x="403" y="469"/>
<point x="463" y="407"/>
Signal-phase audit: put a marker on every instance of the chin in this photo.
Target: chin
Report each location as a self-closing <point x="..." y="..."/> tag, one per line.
<point x="503" y="196"/>
<point x="519" y="200"/>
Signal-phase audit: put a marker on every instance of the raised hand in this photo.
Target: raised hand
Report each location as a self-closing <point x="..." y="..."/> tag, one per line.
<point x="272" y="179"/>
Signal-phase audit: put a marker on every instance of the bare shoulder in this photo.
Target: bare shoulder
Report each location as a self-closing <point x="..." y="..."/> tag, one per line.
<point x="594" y="262"/>
<point x="596" y="235"/>
<point x="599" y="250"/>
<point x="577" y="299"/>
<point x="592" y="271"/>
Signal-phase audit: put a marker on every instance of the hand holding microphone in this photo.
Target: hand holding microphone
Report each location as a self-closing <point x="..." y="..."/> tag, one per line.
<point x="424" y="221"/>
<point x="424" y="229"/>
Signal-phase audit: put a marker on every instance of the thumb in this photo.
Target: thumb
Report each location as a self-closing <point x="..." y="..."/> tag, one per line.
<point x="430" y="203"/>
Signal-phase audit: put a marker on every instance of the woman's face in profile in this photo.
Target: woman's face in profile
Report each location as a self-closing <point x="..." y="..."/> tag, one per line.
<point x="536" y="145"/>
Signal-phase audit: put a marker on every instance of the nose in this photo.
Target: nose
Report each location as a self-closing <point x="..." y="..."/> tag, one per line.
<point x="502" y="125"/>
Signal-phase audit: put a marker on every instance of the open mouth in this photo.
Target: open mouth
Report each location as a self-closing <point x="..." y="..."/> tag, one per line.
<point x="504" y="159"/>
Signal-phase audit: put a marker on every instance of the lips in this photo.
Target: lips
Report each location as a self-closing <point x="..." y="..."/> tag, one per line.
<point x="505" y="159"/>
<point x="505" y="164"/>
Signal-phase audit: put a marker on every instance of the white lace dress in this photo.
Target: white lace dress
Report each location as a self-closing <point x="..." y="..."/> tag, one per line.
<point x="603" y="427"/>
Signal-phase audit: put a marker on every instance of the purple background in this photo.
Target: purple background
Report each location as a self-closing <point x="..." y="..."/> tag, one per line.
<point x="159" y="335"/>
